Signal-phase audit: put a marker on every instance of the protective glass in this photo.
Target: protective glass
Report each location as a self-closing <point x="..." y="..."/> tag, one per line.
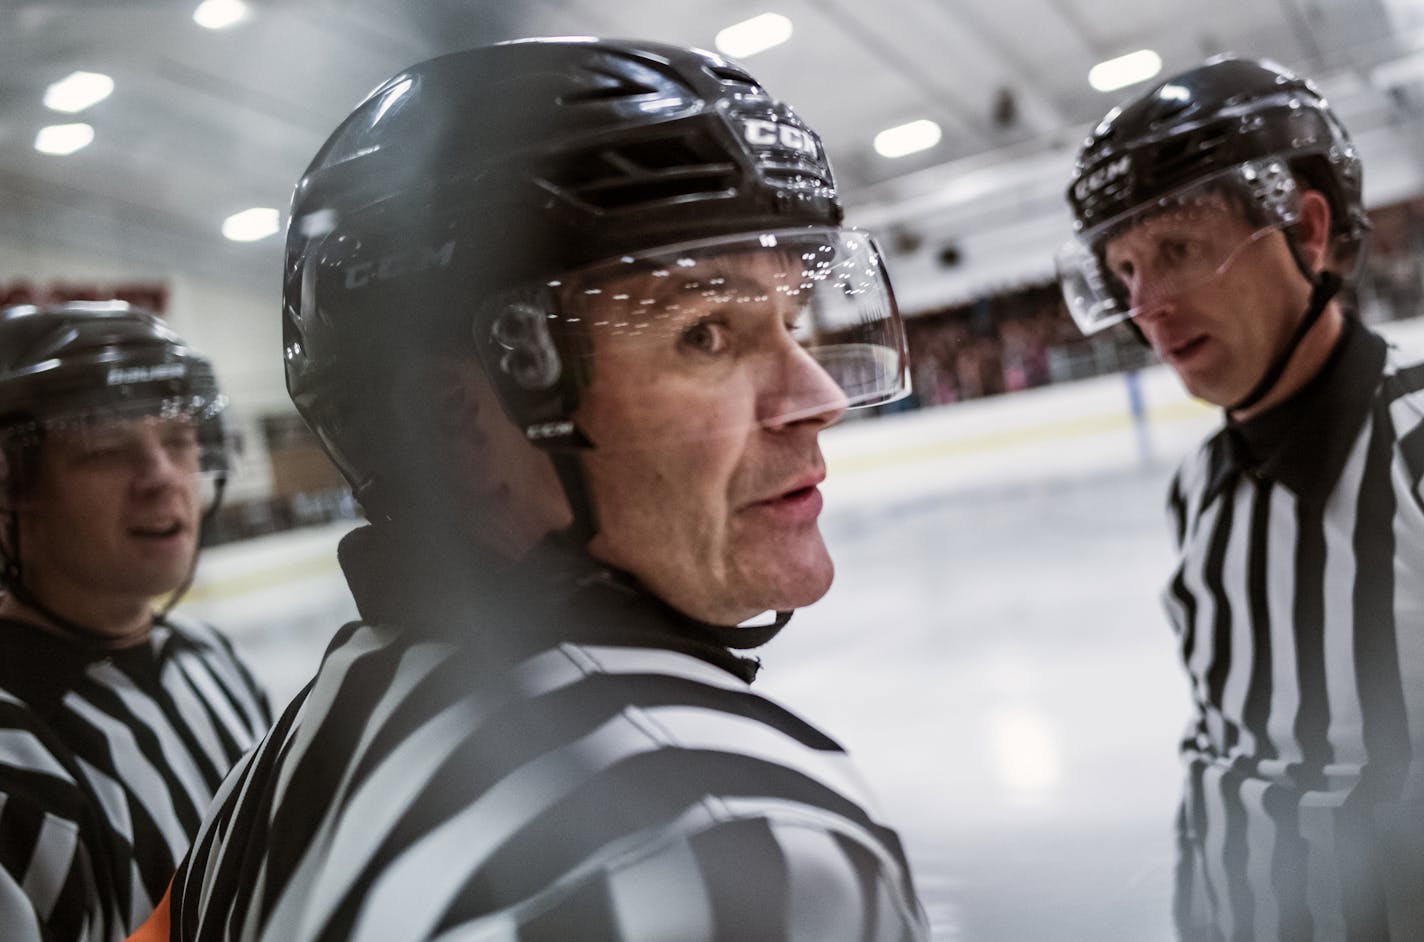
<point x="804" y="317"/>
<point x="186" y="435"/>
<point x="1171" y="245"/>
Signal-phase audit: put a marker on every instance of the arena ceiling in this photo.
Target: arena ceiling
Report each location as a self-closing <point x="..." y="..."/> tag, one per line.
<point x="204" y="123"/>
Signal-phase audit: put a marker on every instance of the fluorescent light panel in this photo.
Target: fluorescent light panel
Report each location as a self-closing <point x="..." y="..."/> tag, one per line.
<point x="220" y="14"/>
<point x="77" y="91"/>
<point x="252" y="224"/>
<point x="59" y="140"/>
<point x="752" y="36"/>
<point x="1125" y="70"/>
<point x="905" y="139"/>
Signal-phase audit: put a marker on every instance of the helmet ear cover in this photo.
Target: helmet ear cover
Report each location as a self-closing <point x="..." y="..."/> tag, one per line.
<point x="376" y="308"/>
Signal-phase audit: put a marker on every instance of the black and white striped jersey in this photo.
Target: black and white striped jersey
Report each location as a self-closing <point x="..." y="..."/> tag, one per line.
<point x="624" y="783"/>
<point x="107" y="762"/>
<point x="1298" y="603"/>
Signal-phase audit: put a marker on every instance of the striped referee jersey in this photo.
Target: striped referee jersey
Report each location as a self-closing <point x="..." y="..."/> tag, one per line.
<point x="623" y="783"/>
<point x="1298" y="604"/>
<point x="107" y="762"/>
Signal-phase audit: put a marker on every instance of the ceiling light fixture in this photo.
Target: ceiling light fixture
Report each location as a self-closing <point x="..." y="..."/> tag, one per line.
<point x="77" y="91"/>
<point x="252" y="224"/>
<point x="59" y="140"/>
<point x="908" y="138"/>
<point x="1126" y="70"/>
<point x="220" y="14"/>
<point x="752" y="36"/>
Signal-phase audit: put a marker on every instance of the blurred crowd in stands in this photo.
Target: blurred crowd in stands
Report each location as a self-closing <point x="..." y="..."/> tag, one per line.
<point x="1024" y="337"/>
<point x="243" y="520"/>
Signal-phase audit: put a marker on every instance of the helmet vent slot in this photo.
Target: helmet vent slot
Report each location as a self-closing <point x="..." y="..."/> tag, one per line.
<point x="641" y="172"/>
<point x="729" y="75"/>
<point x="667" y="154"/>
<point x="622" y="193"/>
<point x="1182" y="153"/>
<point x="617" y="87"/>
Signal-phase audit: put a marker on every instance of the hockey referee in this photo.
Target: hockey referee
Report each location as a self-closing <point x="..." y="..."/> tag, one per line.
<point x="1221" y="212"/>
<point x="116" y="723"/>
<point x="570" y="315"/>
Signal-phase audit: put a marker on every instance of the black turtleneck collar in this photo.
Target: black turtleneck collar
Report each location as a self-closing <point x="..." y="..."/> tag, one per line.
<point x="1304" y="442"/>
<point x="41" y="667"/>
<point x="558" y="593"/>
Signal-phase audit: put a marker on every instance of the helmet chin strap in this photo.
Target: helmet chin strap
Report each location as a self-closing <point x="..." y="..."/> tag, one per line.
<point x="1325" y="286"/>
<point x="568" y="465"/>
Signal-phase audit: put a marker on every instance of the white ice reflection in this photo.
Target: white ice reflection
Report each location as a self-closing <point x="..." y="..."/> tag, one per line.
<point x="1027" y="760"/>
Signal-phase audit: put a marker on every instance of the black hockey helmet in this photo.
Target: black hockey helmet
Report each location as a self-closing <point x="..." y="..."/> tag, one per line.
<point x="74" y="368"/>
<point x="1231" y="123"/>
<point x="449" y="210"/>
<point x="77" y="363"/>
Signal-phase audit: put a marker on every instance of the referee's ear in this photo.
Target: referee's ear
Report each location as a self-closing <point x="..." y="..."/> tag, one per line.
<point x="1312" y="230"/>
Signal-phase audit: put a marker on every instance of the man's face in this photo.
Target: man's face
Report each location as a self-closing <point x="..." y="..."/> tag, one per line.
<point x="704" y="411"/>
<point x="113" y="512"/>
<point x="1214" y="294"/>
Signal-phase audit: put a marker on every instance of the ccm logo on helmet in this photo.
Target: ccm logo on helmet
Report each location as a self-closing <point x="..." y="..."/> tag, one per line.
<point x="403" y="262"/>
<point x="1101" y="177"/>
<point x="760" y="132"/>
<point x="121" y="375"/>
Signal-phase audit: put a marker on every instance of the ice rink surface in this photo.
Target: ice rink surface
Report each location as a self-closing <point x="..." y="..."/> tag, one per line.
<point x="997" y="664"/>
<point x="993" y="653"/>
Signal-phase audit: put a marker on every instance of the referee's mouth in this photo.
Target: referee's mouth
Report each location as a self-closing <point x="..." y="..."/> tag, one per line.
<point x="159" y="532"/>
<point x="1181" y="351"/>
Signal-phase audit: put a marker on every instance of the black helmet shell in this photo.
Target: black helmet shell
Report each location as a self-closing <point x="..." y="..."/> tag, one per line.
<point x="75" y="357"/>
<point x="1210" y="118"/>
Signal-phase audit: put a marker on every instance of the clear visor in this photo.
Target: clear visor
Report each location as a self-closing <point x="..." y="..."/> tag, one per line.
<point x="1159" y="251"/>
<point x="185" y="440"/>
<point x="795" y="323"/>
